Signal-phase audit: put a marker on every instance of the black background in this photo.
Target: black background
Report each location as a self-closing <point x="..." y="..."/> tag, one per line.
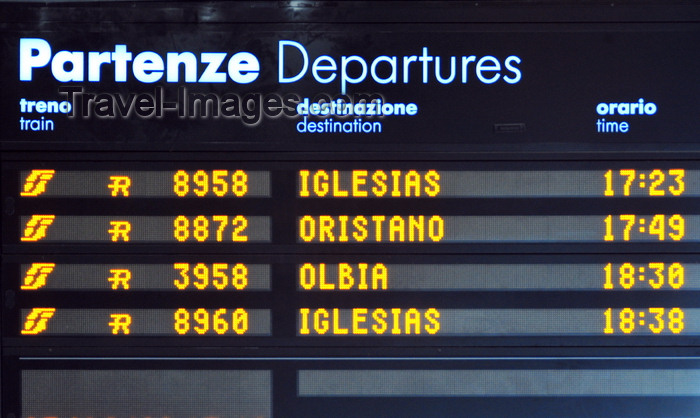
<point x="573" y="55"/>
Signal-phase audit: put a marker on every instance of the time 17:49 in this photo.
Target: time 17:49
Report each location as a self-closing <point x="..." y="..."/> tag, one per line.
<point x="659" y="226"/>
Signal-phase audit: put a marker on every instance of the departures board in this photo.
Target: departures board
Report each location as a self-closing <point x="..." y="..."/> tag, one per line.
<point x="382" y="209"/>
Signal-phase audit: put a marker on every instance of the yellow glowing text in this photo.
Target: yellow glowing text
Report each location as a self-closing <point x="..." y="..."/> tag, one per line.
<point x="219" y="276"/>
<point x="656" y="320"/>
<point x="203" y="321"/>
<point x="216" y="183"/>
<point x="121" y="323"/>
<point x="120" y="230"/>
<point x="119" y="278"/>
<point x="654" y="275"/>
<point x="364" y="183"/>
<point x="364" y="321"/>
<point x="659" y="226"/>
<point x="217" y="228"/>
<point x="654" y="183"/>
<point x="360" y="276"/>
<point x="119" y="185"/>
<point x="377" y="228"/>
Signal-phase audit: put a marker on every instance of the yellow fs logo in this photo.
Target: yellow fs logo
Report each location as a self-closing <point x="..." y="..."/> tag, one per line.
<point x="37" y="320"/>
<point x="36" y="181"/>
<point x="36" y="276"/>
<point x="36" y="227"/>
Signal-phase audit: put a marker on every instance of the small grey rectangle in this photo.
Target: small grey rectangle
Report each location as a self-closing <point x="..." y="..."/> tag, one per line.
<point x="434" y="383"/>
<point x="156" y="393"/>
<point x="509" y="128"/>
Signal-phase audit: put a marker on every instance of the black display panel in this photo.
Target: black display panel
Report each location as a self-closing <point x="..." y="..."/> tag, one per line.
<point x="354" y="209"/>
